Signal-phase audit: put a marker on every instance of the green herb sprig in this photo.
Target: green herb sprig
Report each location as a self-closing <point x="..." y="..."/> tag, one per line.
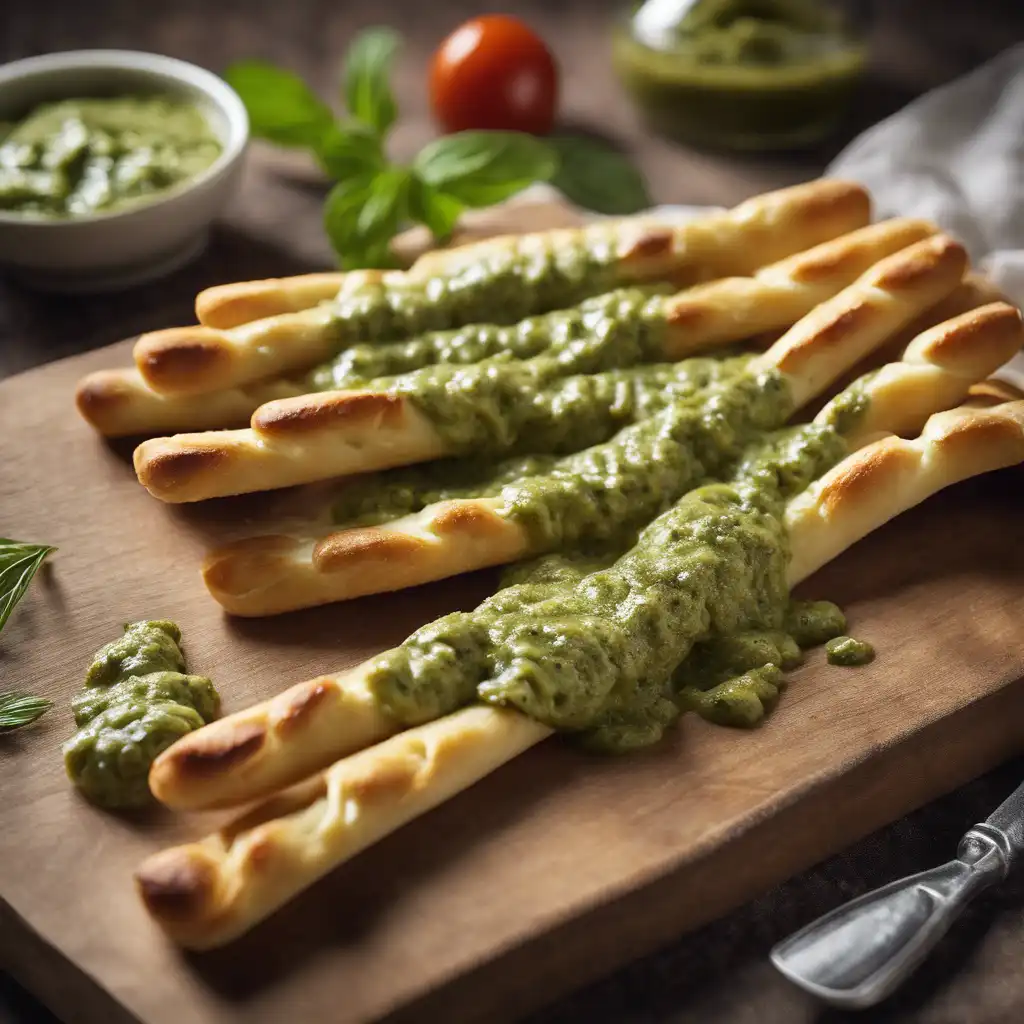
<point x="375" y="198"/>
<point x="19" y="709"/>
<point x="19" y="562"/>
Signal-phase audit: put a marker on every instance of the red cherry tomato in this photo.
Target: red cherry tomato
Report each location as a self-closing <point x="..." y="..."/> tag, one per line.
<point x="494" y="73"/>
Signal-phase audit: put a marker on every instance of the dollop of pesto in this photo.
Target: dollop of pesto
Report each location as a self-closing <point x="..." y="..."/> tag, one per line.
<point x="80" y="157"/>
<point x="812" y="623"/>
<point x="137" y="700"/>
<point x="473" y="343"/>
<point x="593" y="644"/>
<point x="845" y="650"/>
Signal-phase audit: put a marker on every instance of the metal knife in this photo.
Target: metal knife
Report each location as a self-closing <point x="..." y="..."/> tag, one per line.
<point x="859" y="953"/>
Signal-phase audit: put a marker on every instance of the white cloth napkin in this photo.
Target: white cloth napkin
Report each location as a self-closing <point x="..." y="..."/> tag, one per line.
<point x="956" y="156"/>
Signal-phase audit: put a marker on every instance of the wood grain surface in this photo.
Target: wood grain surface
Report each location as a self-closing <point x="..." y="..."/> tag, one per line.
<point x="555" y="869"/>
<point x="720" y="972"/>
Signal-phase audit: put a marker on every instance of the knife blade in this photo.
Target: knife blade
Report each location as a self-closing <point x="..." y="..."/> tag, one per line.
<point x="858" y="954"/>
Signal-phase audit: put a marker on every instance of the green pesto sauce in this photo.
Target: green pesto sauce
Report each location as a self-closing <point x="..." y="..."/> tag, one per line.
<point x="584" y="410"/>
<point x="744" y="73"/>
<point x="500" y="286"/>
<point x="845" y="650"/>
<point x="601" y="646"/>
<point x="473" y="343"/>
<point x="81" y="157"/>
<point x="137" y="700"/>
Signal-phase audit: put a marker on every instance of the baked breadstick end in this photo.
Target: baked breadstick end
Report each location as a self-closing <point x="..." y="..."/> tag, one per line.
<point x="228" y="305"/>
<point x="291" y="441"/>
<point x="266" y="747"/>
<point x="892" y="475"/>
<point x="207" y="893"/>
<point x="274" y="574"/>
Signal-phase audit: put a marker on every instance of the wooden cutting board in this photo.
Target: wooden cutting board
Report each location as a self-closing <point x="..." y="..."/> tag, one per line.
<point x="557" y="868"/>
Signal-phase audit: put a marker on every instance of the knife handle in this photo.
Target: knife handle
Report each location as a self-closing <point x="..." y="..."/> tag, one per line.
<point x="859" y="953"/>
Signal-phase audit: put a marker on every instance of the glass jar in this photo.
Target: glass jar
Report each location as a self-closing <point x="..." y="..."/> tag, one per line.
<point x="742" y="74"/>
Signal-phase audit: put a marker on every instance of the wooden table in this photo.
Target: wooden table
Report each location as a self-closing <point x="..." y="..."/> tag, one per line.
<point x="720" y="973"/>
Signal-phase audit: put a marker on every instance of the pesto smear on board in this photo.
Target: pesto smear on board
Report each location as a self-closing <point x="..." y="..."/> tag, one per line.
<point x="79" y="157"/>
<point x="137" y="700"/>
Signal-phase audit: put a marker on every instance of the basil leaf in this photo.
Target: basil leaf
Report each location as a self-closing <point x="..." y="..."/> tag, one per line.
<point x="368" y="95"/>
<point x="483" y="168"/>
<point x="386" y="207"/>
<point x="281" y="107"/>
<point x="18" y="564"/>
<point x="596" y="177"/>
<point x="438" y="210"/>
<point x="362" y="215"/>
<point x="350" y="150"/>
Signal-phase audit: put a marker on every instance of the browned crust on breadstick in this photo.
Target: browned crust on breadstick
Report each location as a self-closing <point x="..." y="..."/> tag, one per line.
<point x="938" y="369"/>
<point x="267" y="747"/>
<point x="201" y="905"/>
<point x="118" y="403"/>
<point x="777" y="296"/>
<point x="198" y="359"/>
<point x="270" y="575"/>
<point x="227" y="305"/>
<point x="294" y="441"/>
<point x="329" y="409"/>
<point x="879" y="303"/>
<point x="892" y="475"/>
<point x="993" y="392"/>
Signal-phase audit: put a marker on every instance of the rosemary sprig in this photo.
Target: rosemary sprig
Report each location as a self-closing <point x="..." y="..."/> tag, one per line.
<point x="18" y="564"/>
<point x="18" y="709"/>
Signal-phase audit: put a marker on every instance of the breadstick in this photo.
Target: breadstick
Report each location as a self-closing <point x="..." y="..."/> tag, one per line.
<point x="552" y="270"/>
<point x="263" y="748"/>
<point x="274" y="574"/>
<point x="206" y="893"/>
<point x="230" y="305"/>
<point x="319" y="436"/>
<point x="120" y="403"/>
<point x="777" y="296"/>
<point x="972" y="292"/>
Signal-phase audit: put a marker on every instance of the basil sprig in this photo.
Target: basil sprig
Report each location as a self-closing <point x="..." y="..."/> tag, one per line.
<point x="375" y="198"/>
<point x="19" y="563"/>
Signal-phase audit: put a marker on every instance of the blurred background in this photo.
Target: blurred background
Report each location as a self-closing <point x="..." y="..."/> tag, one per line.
<point x="273" y="227"/>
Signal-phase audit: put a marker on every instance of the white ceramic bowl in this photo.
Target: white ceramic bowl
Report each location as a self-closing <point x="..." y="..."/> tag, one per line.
<point x="113" y="250"/>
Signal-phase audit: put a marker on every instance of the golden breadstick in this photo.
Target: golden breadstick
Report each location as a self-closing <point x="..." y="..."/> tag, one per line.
<point x="189" y="360"/>
<point x="118" y="402"/>
<point x="265" y="747"/>
<point x="206" y="893"/>
<point x="273" y="574"/>
<point x="972" y="292"/>
<point x="777" y="296"/>
<point x="319" y="436"/>
<point x="229" y="305"/>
